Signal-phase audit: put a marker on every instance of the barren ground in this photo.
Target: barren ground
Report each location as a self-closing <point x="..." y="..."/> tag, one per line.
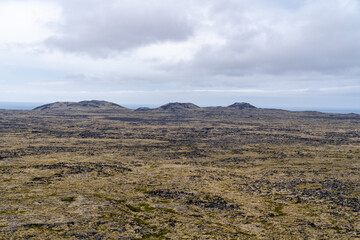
<point x="248" y="174"/>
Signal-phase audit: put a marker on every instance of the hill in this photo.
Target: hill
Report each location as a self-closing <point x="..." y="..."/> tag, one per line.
<point x="241" y="105"/>
<point x="174" y="107"/>
<point x="177" y="107"/>
<point x="93" y="105"/>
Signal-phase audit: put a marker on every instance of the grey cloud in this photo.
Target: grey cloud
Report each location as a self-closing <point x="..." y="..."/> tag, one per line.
<point x="319" y="36"/>
<point x="103" y="28"/>
<point x="282" y="39"/>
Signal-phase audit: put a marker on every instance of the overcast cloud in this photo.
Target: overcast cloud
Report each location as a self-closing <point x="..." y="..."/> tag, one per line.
<point x="319" y="36"/>
<point x="102" y="29"/>
<point x="162" y="50"/>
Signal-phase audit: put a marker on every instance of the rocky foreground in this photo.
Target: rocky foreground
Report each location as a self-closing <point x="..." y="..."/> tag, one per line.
<point x="201" y="173"/>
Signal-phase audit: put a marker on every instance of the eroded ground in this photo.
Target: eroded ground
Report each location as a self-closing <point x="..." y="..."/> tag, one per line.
<point x="251" y="174"/>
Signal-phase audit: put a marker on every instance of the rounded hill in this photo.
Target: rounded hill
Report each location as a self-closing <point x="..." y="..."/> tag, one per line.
<point x="241" y="105"/>
<point x="178" y="107"/>
<point x="93" y="105"/>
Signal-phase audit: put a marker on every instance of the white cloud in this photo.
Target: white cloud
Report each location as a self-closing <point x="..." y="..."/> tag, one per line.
<point x="103" y="29"/>
<point x="168" y="53"/>
<point x="321" y="36"/>
<point x="24" y="22"/>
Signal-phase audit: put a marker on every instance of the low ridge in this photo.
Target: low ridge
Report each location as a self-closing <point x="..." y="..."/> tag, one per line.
<point x="177" y="107"/>
<point x="241" y="105"/>
<point x="80" y="106"/>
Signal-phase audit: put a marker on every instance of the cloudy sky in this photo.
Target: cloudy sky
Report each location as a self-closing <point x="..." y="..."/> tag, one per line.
<point x="280" y="53"/>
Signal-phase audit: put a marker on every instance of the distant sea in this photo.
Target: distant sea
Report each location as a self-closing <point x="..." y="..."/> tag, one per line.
<point x="31" y="105"/>
<point x="324" y="110"/>
<point x="19" y="105"/>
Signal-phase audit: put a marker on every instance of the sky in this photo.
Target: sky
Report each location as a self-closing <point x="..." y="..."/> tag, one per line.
<point x="280" y="53"/>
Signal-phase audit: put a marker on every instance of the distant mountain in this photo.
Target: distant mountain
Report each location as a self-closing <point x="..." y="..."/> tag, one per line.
<point x="93" y="105"/>
<point x="174" y="107"/>
<point x="241" y="105"/>
<point x="177" y="107"/>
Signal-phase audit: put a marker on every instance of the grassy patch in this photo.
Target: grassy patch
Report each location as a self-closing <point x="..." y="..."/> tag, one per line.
<point x="7" y="180"/>
<point x="68" y="199"/>
<point x="278" y="210"/>
<point x="146" y="207"/>
<point x="141" y="220"/>
<point x="134" y="208"/>
<point x="158" y="235"/>
<point x="169" y="210"/>
<point x="142" y="207"/>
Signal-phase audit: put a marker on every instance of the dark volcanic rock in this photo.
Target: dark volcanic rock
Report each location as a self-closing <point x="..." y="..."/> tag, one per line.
<point x="82" y="106"/>
<point x="207" y="201"/>
<point x="78" y="168"/>
<point x="143" y="109"/>
<point x="241" y="105"/>
<point x="177" y="107"/>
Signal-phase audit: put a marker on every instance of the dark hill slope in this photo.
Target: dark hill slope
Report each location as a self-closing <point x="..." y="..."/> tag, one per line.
<point x="93" y="105"/>
<point x="177" y="107"/>
<point x="241" y="105"/>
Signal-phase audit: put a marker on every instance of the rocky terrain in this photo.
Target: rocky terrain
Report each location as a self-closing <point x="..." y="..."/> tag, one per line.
<point x="91" y="170"/>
